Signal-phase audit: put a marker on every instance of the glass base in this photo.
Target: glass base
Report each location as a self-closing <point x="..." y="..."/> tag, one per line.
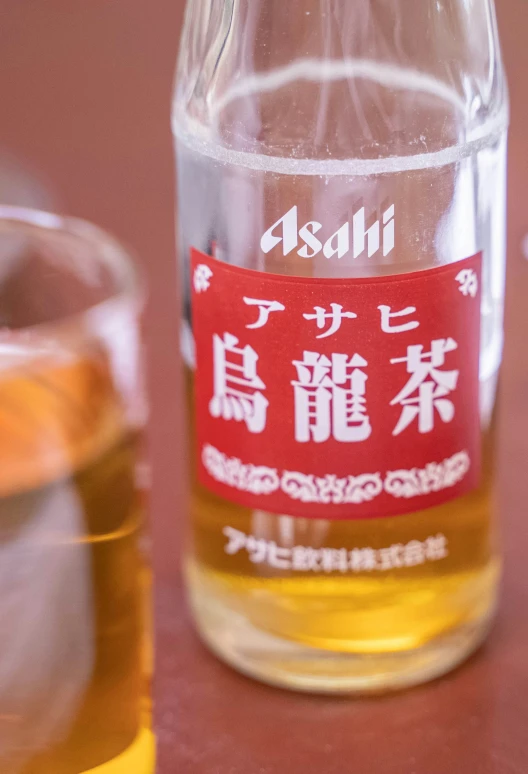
<point x="297" y="666"/>
<point x="140" y="758"/>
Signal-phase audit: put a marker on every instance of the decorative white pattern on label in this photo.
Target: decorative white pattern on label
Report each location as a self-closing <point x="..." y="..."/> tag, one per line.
<point x="330" y="489"/>
<point x="257" y="479"/>
<point x="432" y="478"/>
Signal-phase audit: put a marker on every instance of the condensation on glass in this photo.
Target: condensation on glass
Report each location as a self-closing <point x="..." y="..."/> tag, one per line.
<point x="337" y="140"/>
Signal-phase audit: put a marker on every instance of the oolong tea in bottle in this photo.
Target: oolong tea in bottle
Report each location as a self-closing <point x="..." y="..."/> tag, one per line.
<point x="341" y="179"/>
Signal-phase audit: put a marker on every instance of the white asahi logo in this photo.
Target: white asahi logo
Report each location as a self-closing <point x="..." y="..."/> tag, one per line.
<point x="353" y="235"/>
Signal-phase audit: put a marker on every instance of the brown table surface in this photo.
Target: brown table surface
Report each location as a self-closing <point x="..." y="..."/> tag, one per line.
<point x="85" y="90"/>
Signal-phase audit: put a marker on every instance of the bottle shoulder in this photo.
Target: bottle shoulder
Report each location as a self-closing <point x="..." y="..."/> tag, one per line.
<point x="406" y="119"/>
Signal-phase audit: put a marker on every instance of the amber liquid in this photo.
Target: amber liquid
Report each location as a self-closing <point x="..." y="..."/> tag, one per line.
<point x="357" y="612"/>
<point x="74" y="583"/>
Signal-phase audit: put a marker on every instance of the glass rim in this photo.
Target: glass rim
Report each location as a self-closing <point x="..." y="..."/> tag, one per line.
<point x="108" y="251"/>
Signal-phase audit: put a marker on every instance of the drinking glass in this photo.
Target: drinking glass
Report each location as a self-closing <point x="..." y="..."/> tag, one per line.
<point x="74" y="570"/>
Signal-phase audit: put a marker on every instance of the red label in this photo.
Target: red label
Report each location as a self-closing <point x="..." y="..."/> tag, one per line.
<point x="337" y="398"/>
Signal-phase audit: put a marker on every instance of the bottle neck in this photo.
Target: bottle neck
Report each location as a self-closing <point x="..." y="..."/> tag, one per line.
<point x="350" y="80"/>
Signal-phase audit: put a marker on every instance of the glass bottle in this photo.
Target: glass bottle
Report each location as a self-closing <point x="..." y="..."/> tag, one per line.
<point x="341" y="183"/>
